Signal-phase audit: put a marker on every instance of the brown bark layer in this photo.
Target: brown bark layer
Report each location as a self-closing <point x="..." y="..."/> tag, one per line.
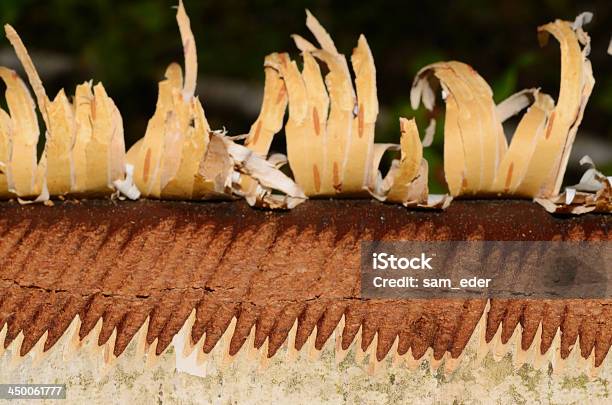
<point x="125" y="261"/>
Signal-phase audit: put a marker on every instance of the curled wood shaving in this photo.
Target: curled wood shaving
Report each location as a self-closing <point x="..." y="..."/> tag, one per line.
<point x="359" y="153"/>
<point x="514" y="165"/>
<point x="59" y="121"/>
<point x="58" y="145"/>
<point x="181" y="158"/>
<point x="410" y="168"/>
<point x="126" y="187"/>
<point x="150" y="151"/>
<point x="189" y="48"/>
<point x="22" y="132"/>
<point x="83" y="109"/>
<point x="213" y="179"/>
<point x="330" y="129"/>
<point x="84" y="149"/>
<point x="383" y="185"/>
<point x="278" y="160"/>
<point x="43" y="195"/>
<point x="28" y="66"/>
<point x="326" y="127"/>
<point x="5" y="150"/>
<point x="270" y="119"/>
<point x="103" y="164"/>
<point x="269" y="178"/>
<point x="273" y="106"/>
<point x="430" y="132"/>
<point x="515" y="104"/>
<point x="592" y="194"/>
<point x="176" y="159"/>
<point x="303" y="130"/>
<point x="340" y="121"/>
<point x="582" y="19"/>
<point x="477" y="159"/>
<point x="471" y="126"/>
<point x="330" y="133"/>
<point x="545" y="172"/>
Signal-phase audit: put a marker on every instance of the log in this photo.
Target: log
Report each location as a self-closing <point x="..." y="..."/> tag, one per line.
<point x="128" y="263"/>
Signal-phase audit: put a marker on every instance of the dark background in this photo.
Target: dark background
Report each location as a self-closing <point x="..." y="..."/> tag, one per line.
<point x="128" y="44"/>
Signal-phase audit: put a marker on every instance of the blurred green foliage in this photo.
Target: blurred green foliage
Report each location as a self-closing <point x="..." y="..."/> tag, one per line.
<point x="128" y="44"/>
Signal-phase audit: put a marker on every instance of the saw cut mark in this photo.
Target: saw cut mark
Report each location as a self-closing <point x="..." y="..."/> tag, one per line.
<point x="247" y="277"/>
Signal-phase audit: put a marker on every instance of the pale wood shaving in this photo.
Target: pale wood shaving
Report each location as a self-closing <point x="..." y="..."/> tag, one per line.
<point x="477" y="159"/>
<point x="22" y="165"/>
<point x="84" y="146"/>
<point x="330" y="131"/>
<point x="546" y="170"/>
<point x="592" y="194"/>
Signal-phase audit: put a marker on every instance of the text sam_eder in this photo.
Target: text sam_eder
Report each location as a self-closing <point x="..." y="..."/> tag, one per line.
<point x="385" y="261"/>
